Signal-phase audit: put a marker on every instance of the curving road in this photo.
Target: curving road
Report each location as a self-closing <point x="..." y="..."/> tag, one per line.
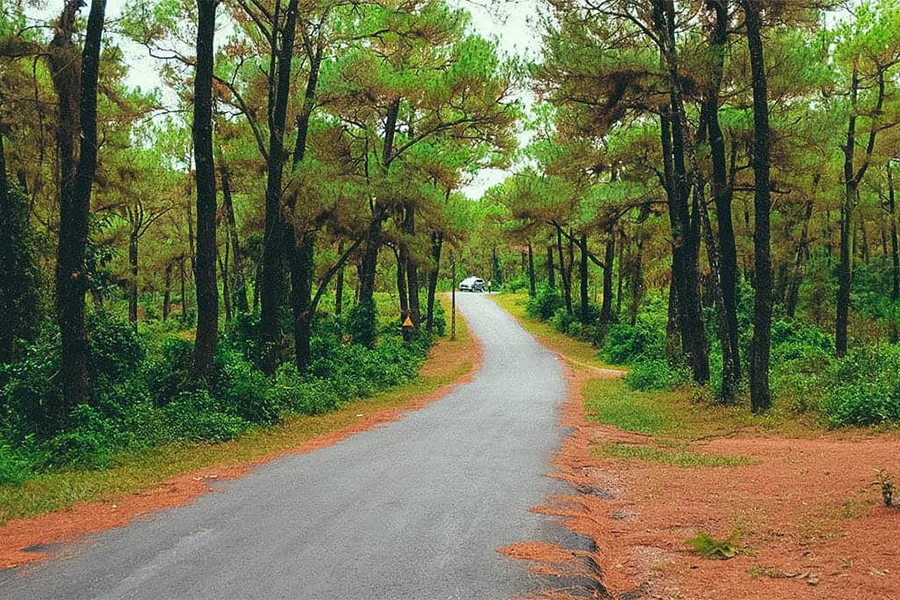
<point x="415" y="509"/>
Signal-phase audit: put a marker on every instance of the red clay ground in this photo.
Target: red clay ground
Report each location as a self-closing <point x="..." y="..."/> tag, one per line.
<point x="811" y="526"/>
<point x="67" y="525"/>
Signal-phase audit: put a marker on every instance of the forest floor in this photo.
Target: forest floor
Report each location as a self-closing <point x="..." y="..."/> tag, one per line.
<point x="793" y="499"/>
<point x="60" y="507"/>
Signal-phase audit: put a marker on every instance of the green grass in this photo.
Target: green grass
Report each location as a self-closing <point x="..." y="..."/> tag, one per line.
<point x="675" y="458"/>
<point x="139" y="471"/>
<point x="575" y="350"/>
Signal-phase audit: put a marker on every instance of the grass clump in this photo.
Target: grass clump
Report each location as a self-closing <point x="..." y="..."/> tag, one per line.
<point x="675" y="458"/>
<point x="707" y="546"/>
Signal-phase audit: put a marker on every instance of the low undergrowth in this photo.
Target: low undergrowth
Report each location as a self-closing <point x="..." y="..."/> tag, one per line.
<point x="675" y="458"/>
<point x="142" y="394"/>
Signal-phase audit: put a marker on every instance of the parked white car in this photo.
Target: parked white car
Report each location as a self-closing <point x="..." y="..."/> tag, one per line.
<point x="471" y="284"/>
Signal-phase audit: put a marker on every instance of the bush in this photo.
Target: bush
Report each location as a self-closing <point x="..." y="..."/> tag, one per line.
<point x="243" y="335"/>
<point x="562" y="320"/>
<point x="116" y="351"/>
<point x="196" y="416"/>
<point x="22" y="286"/>
<point x="516" y="283"/>
<point x="15" y="463"/>
<point x="440" y="318"/>
<point x="625" y="344"/>
<point x="656" y="374"/>
<point x="794" y="340"/>
<point x="362" y="324"/>
<point x="30" y="396"/>
<point x="87" y="443"/>
<point x="544" y="303"/>
<point x="864" y="387"/>
<point x="241" y="390"/>
<point x="170" y="374"/>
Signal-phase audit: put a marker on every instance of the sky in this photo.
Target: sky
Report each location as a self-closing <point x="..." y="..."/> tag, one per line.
<point x="509" y="22"/>
<point x="512" y="24"/>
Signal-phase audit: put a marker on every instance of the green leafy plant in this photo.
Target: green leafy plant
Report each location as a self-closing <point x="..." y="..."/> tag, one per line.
<point x="707" y="546"/>
<point x="884" y="481"/>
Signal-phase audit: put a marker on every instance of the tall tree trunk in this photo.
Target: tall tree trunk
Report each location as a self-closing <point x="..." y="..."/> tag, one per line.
<point x="412" y="271"/>
<point x="301" y="243"/>
<point x="532" y="285"/>
<point x="167" y="292"/>
<point x="609" y="258"/>
<point x="865" y="254"/>
<point x="452" y="296"/>
<point x="620" y="272"/>
<point x="237" y="258"/>
<point x="551" y="276"/>
<point x="275" y="245"/>
<point x="302" y="271"/>
<point x="585" y="312"/>
<point x="374" y="234"/>
<point x="184" y="302"/>
<point x="722" y="196"/>
<point x="673" y="331"/>
<point x="205" y="275"/>
<point x="563" y="271"/>
<point x="685" y="227"/>
<point x="895" y="245"/>
<point x="133" y="281"/>
<point x="636" y="282"/>
<point x="760" y="394"/>
<point x="226" y="288"/>
<point x="75" y="101"/>
<point x="437" y="241"/>
<point x="401" y="292"/>
<point x="189" y="201"/>
<point x="793" y="293"/>
<point x="339" y="285"/>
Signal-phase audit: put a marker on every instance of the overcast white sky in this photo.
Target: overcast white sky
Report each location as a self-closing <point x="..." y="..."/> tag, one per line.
<point x="510" y="22"/>
<point x="513" y="24"/>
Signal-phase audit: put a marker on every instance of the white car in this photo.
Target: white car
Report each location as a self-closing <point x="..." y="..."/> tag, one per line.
<point x="471" y="284"/>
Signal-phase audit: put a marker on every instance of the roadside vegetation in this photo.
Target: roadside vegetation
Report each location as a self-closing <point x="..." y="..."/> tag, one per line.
<point x="138" y="452"/>
<point x="256" y="237"/>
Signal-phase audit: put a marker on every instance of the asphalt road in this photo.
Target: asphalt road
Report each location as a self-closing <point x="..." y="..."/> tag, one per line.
<point x="415" y="509"/>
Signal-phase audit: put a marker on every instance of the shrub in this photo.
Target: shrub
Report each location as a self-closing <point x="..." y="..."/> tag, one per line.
<point x="792" y="340"/>
<point x="625" y="344"/>
<point x="170" y="374"/>
<point x="562" y="320"/>
<point x="15" y="464"/>
<point x="516" y="283"/>
<point x="87" y="443"/>
<point x="22" y="285"/>
<point x="362" y="324"/>
<point x="243" y="335"/>
<point x="440" y="318"/>
<point x="544" y="303"/>
<point x="31" y="395"/>
<point x="241" y="390"/>
<point x="115" y="349"/>
<point x="864" y="387"/>
<point x="656" y="374"/>
<point x="196" y="416"/>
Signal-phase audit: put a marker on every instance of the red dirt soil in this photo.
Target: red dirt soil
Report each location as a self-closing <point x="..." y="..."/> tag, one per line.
<point x="811" y="525"/>
<point x="69" y="524"/>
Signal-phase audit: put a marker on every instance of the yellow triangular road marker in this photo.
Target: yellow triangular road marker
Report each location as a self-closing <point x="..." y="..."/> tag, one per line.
<point x="408" y="322"/>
